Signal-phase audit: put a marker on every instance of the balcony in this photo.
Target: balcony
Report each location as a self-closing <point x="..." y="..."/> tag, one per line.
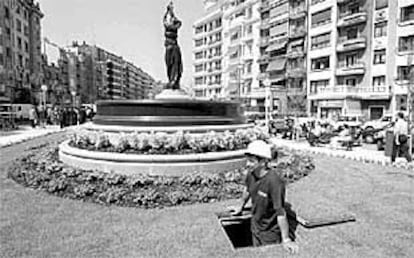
<point x="351" y="19"/>
<point x="297" y="33"/>
<point x="343" y="1"/>
<point x="292" y="54"/>
<point x="297" y="13"/>
<point x="296" y="91"/>
<point x="344" y="91"/>
<point x="265" y="24"/>
<point x="264" y="41"/>
<point x="296" y="72"/>
<point x="355" y="69"/>
<point x="264" y="7"/>
<point x="263" y="59"/>
<point x="351" y="44"/>
<point x="375" y="92"/>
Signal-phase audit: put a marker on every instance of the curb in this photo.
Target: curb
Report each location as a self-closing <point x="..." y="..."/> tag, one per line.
<point x="383" y="161"/>
<point x="25" y="138"/>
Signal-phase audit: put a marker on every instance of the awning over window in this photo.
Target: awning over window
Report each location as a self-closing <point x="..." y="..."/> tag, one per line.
<point x="321" y="16"/>
<point x="276" y="45"/>
<point x="233" y="88"/>
<point x="280" y="9"/>
<point x="276" y="65"/>
<point x="296" y="42"/>
<point x="277" y="77"/>
<point x="279" y="29"/>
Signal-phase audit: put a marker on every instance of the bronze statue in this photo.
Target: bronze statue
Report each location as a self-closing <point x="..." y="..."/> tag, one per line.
<point x="172" y="50"/>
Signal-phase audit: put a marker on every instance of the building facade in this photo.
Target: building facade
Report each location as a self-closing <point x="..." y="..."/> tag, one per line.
<point x="90" y="73"/>
<point x="359" y="57"/>
<point x="208" y="53"/>
<point x="21" y="70"/>
<point x="326" y="58"/>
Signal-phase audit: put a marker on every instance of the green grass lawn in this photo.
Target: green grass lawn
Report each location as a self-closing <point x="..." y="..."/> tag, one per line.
<point x="35" y="224"/>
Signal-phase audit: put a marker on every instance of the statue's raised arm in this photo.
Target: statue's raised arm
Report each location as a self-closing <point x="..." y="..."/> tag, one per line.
<point x="172" y="50"/>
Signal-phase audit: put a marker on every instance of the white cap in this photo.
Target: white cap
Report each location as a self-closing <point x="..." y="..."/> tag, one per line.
<point x="259" y="148"/>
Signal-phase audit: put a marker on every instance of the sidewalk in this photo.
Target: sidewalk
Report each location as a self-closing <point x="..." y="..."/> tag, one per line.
<point x="358" y="153"/>
<point x="26" y="132"/>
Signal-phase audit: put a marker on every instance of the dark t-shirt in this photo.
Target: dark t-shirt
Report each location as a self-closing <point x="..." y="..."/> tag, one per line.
<point x="268" y="201"/>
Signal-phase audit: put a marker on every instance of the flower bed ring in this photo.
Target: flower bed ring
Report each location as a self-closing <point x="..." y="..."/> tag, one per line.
<point x="166" y="165"/>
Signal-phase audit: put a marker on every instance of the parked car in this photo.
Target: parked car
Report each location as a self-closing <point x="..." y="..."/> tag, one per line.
<point x="377" y="123"/>
<point x="370" y="128"/>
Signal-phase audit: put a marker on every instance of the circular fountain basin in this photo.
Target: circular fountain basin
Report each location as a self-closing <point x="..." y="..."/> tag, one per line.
<point x="168" y="113"/>
<point x="162" y="165"/>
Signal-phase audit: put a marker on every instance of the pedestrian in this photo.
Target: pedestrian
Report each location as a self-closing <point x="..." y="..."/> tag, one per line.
<point x="400" y="146"/>
<point x="269" y="224"/>
<point x="33" y="116"/>
<point x="62" y="117"/>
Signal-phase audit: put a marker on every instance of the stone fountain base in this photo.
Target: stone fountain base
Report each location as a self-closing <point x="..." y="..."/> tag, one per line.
<point x="161" y="115"/>
<point x="160" y="165"/>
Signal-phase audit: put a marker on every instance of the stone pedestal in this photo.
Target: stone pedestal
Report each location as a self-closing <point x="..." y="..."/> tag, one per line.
<point x="172" y="94"/>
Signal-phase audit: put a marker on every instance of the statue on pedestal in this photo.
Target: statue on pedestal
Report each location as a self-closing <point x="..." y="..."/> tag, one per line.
<point x="173" y="59"/>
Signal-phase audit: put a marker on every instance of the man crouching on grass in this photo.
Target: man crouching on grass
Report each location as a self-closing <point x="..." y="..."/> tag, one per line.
<point x="269" y="224"/>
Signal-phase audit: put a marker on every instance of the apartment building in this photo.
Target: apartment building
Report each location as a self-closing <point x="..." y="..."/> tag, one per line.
<point x="241" y="21"/>
<point x="340" y="57"/>
<point x="208" y="53"/>
<point x="91" y="73"/>
<point x="20" y="49"/>
<point x="360" y="54"/>
<point x="404" y="64"/>
<point x="283" y="54"/>
<point x="259" y="40"/>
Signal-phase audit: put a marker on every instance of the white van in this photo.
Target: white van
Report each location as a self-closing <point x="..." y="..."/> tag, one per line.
<point x="22" y="111"/>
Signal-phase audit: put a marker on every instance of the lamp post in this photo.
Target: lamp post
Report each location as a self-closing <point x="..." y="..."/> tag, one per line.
<point x="44" y="89"/>
<point x="73" y="98"/>
<point x="266" y="83"/>
<point x="410" y="99"/>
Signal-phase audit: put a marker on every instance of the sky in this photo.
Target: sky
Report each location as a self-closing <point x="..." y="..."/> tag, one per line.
<point x="130" y="28"/>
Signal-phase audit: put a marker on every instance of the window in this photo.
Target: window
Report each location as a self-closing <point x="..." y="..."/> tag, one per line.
<point x="199" y="42"/>
<point x="320" y="63"/>
<point x="380" y="29"/>
<point x="234" y="36"/>
<point x="26" y="31"/>
<point x="199" y="68"/>
<point x="199" y="29"/>
<point x="249" y="29"/>
<point x="407" y="13"/>
<point x="19" y="43"/>
<point x="317" y="1"/>
<point x="315" y="85"/>
<point x="199" y="55"/>
<point x="20" y="58"/>
<point x="199" y="80"/>
<point x="379" y="56"/>
<point x="406" y="43"/>
<point x="378" y="81"/>
<point x="351" y="60"/>
<point x="6" y="12"/>
<point x="379" y="4"/>
<point x="321" y="41"/>
<point x="354" y="8"/>
<point x="403" y="72"/>
<point x="352" y="33"/>
<point x="321" y="18"/>
<point x="218" y="23"/>
<point x="350" y="82"/>
<point x="18" y="25"/>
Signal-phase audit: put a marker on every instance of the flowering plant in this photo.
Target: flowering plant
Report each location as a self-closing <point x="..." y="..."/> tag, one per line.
<point x="168" y="143"/>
